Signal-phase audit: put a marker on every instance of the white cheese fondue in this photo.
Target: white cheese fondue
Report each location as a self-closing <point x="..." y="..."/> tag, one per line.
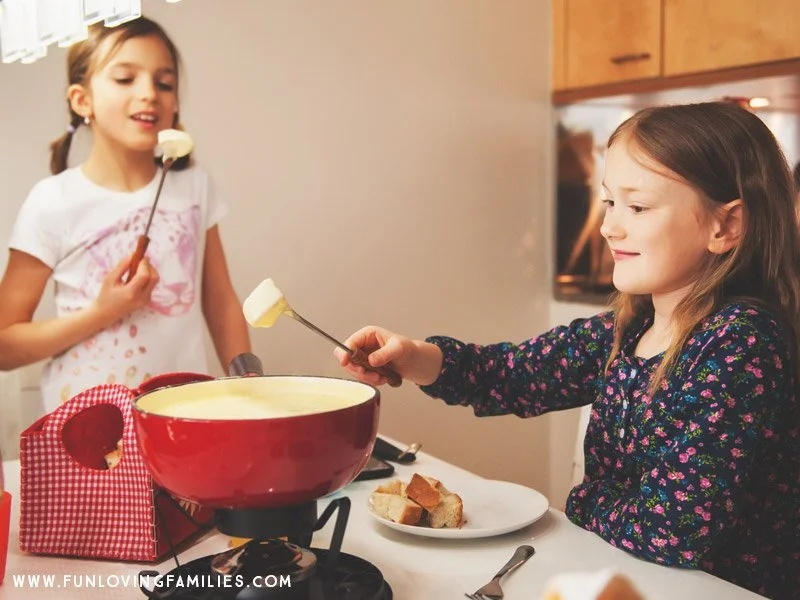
<point x="174" y="143"/>
<point x="256" y="398"/>
<point x="264" y="305"/>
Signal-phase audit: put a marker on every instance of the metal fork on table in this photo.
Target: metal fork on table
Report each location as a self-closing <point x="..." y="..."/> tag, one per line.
<point x="492" y="590"/>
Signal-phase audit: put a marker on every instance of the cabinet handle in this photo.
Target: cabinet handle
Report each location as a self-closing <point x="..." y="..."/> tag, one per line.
<point x="633" y="57"/>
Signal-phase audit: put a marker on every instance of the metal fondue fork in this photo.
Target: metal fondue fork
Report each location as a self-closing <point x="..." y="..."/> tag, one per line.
<point x="357" y="356"/>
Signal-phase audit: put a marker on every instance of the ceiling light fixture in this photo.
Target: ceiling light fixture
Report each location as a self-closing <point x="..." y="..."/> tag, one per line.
<point x="28" y="27"/>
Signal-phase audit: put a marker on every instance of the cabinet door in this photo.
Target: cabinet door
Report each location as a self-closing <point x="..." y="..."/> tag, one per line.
<point x="558" y="49"/>
<point x="703" y="35"/>
<point x="612" y="40"/>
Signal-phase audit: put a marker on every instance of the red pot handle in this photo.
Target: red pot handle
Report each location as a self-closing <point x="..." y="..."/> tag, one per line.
<point x="169" y="380"/>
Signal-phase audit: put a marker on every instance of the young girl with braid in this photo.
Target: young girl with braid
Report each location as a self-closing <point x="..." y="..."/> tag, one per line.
<point x="79" y="228"/>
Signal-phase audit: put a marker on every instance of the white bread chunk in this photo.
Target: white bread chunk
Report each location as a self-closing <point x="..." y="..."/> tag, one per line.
<point x="264" y="305"/>
<point x="396" y="508"/>
<point x="448" y="513"/>
<point x="434" y="482"/>
<point x="423" y="501"/>
<point x="600" y="585"/>
<point x="174" y="143"/>
<point x="424" y="491"/>
<point x="394" y="486"/>
<point x="443" y="508"/>
<point x="112" y="458"/>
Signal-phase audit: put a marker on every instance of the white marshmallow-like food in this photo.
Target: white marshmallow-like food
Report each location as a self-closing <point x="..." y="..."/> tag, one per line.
<point x="174" y="143"/>
<point x="264" y="305"/>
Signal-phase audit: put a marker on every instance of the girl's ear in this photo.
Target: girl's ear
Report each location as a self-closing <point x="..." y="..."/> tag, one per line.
<point x="727" y="227"/>
<point x="79" y="100"/>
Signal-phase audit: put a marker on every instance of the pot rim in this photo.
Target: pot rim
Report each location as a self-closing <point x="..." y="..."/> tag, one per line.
<point x="376" y="394"/>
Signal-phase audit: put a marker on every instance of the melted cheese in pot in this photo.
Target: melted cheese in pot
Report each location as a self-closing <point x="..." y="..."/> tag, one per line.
<point x="256" y="398"/>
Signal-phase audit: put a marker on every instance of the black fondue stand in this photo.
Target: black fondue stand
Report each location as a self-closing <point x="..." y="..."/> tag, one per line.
<point x="279" y="562"/>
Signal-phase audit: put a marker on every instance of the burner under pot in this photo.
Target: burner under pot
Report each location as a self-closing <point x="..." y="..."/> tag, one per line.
<point x="303" y="575"/>
<point x="296" y="522"/>
<point x="274" y="569"/>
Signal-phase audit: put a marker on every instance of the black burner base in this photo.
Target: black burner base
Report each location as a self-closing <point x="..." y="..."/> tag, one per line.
<point x="353" y="578"/>
<point x="296" y="521"/>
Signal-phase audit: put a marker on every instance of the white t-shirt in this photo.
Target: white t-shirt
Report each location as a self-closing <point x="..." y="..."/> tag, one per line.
<point x="81" y="231"/>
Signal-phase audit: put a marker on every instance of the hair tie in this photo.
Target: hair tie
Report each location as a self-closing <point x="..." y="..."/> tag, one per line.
<point x="70" y="129"/>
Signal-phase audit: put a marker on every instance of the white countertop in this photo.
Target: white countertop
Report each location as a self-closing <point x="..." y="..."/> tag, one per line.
<point x="417" y="568"/>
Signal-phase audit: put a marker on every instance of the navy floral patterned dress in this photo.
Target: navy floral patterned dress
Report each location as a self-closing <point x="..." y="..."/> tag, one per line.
<point x="704" y="473"/>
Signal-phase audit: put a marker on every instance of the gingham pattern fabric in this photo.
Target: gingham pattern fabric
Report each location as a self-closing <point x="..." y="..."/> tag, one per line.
<point x="69" y="509"/>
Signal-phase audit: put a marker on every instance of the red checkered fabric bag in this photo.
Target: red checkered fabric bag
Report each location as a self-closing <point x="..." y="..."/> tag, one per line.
<point x="73" y="504"/>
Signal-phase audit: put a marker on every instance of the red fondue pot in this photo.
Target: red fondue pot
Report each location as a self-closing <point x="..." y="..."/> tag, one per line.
<point x="258" y="462"/>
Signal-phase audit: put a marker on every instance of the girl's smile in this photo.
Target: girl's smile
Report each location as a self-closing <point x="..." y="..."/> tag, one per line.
<point x="623" y="255"/>
<point x="146" y="120"/>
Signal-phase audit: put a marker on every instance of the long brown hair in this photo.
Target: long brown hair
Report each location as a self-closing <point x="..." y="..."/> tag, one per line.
<point x="83" y="61"/>
<point x="725" y="153"/>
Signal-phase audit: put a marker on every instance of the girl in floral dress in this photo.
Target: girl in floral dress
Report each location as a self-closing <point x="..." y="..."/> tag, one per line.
<point x="693" y="446"/>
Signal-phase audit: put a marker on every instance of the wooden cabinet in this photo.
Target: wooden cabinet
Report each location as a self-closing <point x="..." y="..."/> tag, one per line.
<point x="704" y="35"/>
<point x="609" y="41"/>
<point x="603" y="47"/>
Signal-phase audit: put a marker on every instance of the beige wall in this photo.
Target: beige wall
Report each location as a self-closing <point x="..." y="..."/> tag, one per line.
<point x="385" y="162"/>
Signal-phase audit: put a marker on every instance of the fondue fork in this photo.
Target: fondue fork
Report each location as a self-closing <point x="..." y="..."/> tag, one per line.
<point x="266" y="303"/>
<point x="175" y="144"/>
<point x="357" y="356"/>
<point x="492" y="590"/>
<point x="144" y="240"/>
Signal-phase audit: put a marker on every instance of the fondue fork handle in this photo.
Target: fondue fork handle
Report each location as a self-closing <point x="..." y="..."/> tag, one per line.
<point x="360" y="358"/>
<point x="144" y="240"/>
<point x="141" y="247"/>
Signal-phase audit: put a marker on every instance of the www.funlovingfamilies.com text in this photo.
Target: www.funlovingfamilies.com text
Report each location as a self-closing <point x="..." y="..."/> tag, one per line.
<point x="151" y="582"/>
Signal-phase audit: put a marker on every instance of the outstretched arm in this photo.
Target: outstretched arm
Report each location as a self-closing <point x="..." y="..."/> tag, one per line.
<point x="221" y="307"/>
<point x="557" y="370"/>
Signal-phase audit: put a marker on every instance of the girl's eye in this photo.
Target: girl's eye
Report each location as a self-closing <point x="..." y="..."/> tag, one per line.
<point x="608" y="202"/>
<point x="637" y="210"/>
<point x="123" y="80"/>
<point x="166" y="87"/>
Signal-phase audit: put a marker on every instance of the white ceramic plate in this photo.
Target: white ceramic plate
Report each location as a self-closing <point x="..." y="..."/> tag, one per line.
<point x="490" y="508"/>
